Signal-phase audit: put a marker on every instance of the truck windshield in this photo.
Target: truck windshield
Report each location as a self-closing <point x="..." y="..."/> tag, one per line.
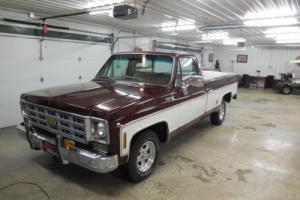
<point x="153" y="69"/>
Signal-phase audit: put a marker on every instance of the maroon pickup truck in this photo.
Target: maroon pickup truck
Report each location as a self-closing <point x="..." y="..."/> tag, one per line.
<point x="135" y="103"/>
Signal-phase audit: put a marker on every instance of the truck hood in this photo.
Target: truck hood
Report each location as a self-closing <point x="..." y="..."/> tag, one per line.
<point x="101" y="95"/>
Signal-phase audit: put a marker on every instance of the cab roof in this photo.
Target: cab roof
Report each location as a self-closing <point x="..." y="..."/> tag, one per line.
<point x="173" y="54"/>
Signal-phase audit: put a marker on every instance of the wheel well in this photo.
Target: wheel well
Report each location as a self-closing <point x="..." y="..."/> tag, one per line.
<point x="227" y="97"/>
<point x="161" y="129"/>
<point x="287" y="86"/>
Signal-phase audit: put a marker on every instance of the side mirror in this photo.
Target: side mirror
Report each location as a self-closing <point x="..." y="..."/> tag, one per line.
<point x="192" y="80"/>
<point x="184" y="88"/>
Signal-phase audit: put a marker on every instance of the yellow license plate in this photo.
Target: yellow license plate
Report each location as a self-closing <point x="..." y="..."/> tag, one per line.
<point x="51" y="121"/>
<point x="69" y="144"/>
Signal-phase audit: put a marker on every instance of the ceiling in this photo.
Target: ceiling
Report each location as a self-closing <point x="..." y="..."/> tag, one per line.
<point x="203" y="12"/>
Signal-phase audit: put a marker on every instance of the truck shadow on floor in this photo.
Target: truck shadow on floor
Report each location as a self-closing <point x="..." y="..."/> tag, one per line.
<point x="116" y="183"/>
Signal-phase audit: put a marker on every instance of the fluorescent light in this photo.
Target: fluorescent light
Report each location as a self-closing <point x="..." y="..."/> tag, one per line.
<point x="173" y="33"/>
<point x="287" y="41"/>
<point x="271" y="13"/>
<point x="271" y="22"/>
<point x="185" y="27"/>
<point x="201" y="41"/>
<point x="179" y="28"/>
<point x="95" y="3"/>
<point x="168" y="29"/>
<point x="218" y="35"/>
<point x="281" y="30"/>
<point x="284" y="36"/>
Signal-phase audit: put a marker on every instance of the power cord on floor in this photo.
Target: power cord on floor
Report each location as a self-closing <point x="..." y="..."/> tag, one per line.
<point x="27" y="183"/>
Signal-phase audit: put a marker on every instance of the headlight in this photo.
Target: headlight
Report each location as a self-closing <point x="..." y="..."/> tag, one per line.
<point x="99" y="130"/>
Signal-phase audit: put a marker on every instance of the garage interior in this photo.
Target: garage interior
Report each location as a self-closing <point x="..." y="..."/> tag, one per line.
<point x="253" y="155"/>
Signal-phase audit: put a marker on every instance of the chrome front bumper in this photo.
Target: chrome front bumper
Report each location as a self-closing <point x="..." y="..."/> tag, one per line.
<point x="92" y="161"/>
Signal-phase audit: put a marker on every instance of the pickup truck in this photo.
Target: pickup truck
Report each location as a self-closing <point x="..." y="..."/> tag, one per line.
<point x="136" y="102"/>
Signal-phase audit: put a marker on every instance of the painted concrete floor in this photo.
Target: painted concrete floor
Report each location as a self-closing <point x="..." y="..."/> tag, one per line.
<point x="253" y="155"/>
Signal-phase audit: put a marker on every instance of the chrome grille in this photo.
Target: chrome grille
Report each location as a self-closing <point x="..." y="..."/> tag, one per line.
<point x="59" y="122"/>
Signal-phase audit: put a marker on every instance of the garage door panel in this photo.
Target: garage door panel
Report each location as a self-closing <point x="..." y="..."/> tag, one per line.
<point x="21" y="69"/>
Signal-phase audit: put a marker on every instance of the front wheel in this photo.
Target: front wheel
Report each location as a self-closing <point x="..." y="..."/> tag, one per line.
<point x="143" y="156"/>
<point x="286" y="89"/>
<point x="218" y="117"/>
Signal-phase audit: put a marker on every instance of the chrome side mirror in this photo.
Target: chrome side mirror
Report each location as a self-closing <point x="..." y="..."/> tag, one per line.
<point x="192" y="80"/>
<point x="184" y="88"/>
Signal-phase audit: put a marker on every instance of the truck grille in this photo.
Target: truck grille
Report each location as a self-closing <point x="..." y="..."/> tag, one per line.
<point x="59" y="122"/>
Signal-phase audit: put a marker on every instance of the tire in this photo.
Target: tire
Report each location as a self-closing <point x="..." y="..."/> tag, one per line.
<point x="139" y="168"/>
<point x="286" y="89"/>
<point x="218" y="117"/>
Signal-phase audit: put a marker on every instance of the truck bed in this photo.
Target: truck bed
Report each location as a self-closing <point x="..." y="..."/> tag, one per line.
<point x="209" y="76"/>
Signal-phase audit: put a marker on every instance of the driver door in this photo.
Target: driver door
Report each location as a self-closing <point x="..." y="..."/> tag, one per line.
<point x="192" y="95"/>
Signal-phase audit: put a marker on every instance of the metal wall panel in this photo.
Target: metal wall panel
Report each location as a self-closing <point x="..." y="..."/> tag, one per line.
<point x="270" y="61"/>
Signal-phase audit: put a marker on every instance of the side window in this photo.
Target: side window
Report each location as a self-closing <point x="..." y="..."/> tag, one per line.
<point x="188" y="66"/>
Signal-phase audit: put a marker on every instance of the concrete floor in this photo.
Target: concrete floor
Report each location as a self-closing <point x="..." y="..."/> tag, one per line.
<point x="253" y="155"/>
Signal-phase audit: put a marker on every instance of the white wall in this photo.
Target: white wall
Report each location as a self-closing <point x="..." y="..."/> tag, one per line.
<point x="63" y="63"/>
<point x="206" y="51"/>
<point x="270" y="61"/>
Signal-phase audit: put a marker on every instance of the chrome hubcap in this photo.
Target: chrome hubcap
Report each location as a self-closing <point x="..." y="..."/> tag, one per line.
<point x="222" y="111"/>
<point x="146" y="156"/>
<point x="286" y="90"/>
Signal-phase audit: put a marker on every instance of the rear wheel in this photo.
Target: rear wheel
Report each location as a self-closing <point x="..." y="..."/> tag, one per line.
<point x="286" y="89"/>
<point x="143" y="156"/>
<point x="218" y="117"/>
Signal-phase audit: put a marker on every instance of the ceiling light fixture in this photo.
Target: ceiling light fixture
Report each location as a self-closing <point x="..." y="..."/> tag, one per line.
<point x="284" y="36"/>
<point x="218" y="35"/>
<point x="288" y="41"/>
<point x="179" y="28"/>
<point x="281" y="30"/>
<point x="201" y="42"/>
<point x="99" y="3"/>
<point x="271" y="13"/>
<point x="271" y="22"/>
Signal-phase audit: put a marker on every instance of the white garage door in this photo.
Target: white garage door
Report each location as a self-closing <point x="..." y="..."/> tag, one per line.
<point x="21" y="69"/>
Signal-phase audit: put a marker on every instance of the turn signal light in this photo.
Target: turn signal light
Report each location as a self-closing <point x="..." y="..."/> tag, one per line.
<point x="69" y="144"/>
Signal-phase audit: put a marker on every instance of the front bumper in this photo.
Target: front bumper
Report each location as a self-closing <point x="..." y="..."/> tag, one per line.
<point x="90" y="160"/>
